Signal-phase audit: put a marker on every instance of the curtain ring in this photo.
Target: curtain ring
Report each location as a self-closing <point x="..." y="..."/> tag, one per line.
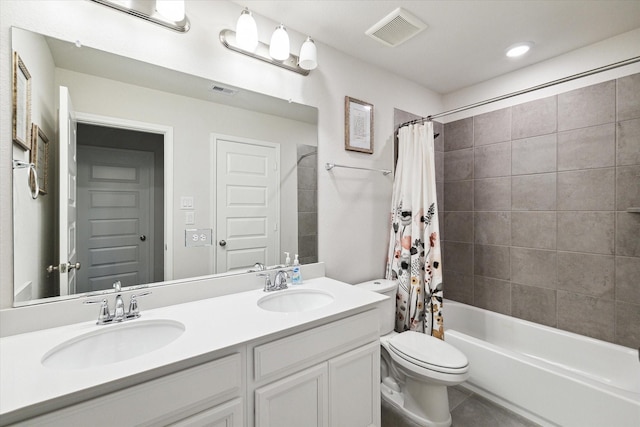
<point x="35" y="190"/>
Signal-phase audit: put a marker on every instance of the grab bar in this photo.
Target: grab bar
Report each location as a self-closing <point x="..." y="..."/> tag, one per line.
<point x="21" y="164"/>
<point x="329" y="166"/>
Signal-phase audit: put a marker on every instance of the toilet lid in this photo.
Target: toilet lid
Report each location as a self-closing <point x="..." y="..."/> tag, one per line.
<point x="428" y="352"/>
<point x="381" y="286"/>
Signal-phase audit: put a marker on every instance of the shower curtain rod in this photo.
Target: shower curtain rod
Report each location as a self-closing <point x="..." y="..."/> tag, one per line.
<point x="524" y="91"/>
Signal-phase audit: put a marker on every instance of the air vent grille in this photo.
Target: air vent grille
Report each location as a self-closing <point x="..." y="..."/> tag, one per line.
<point x="396" y="28"/>
<point x="223" y="90"/>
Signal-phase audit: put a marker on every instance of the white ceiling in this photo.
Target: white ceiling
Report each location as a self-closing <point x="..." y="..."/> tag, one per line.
<point x="466" y="39"/>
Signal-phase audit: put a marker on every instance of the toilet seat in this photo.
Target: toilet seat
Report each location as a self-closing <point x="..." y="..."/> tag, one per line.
<point x="428" y="352"/>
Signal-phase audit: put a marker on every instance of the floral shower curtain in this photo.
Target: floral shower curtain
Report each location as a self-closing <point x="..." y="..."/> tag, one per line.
<point x="414" y="249"/>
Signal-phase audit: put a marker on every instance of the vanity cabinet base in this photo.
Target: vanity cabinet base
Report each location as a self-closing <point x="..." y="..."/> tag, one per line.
<point x="324" y="376"/>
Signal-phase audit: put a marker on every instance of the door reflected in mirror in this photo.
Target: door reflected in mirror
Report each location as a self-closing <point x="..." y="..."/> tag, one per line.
<point x="148" y="138"/>
<point x="120" y="207"/>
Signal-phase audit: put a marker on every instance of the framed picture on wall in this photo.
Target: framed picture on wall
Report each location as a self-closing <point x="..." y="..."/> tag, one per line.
<point x="40" y="158"/>
<point x="21" y="103"/>
<point x="358" y="125"/>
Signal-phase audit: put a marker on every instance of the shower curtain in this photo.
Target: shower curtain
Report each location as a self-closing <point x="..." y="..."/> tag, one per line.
<point x="414" y="259"/>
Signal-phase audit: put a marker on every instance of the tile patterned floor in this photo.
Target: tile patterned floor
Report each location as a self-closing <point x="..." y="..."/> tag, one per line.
<point x="467" y="410"/>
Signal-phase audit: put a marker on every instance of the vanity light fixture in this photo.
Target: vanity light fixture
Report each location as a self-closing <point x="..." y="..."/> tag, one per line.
<point x="518" y="49"/>
<point x="168" y="13"/>
<point x="245" y="40"/>
<point x="247" y="31"/>
<point x="171" y="9"/>
<point x="279" y="47"/>
<point x="308" y="55"/>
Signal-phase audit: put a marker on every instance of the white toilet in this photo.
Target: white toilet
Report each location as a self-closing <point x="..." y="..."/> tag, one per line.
<point x="415" y="368"/>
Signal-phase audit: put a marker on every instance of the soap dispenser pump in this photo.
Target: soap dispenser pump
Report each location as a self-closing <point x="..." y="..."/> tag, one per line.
<point x="296" y="276"/>
<point x="287" y="261"/>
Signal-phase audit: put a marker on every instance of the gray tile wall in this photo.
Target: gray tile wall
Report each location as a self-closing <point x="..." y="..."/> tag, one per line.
<point x="535" y="211"/>
<point x="307" y="203"/>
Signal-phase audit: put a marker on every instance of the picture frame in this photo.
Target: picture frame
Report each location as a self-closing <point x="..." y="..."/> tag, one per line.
<point x="40" y="158"/>
<point x="21" y="103"/>
<point x="358" y="125"/>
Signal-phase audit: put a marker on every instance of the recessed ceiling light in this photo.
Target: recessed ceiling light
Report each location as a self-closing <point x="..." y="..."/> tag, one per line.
<point x="518" y="49"/>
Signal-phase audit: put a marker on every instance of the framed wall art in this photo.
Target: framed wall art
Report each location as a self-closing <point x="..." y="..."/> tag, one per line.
<point x="358" y="125"/>
<point x="21" y="103"/>
<point x="40" y="158"/>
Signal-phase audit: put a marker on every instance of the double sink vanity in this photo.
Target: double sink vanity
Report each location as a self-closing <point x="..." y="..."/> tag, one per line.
<point x="307" y="355"/>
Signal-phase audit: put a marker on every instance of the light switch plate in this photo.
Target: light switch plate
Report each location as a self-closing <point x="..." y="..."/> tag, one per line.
<point x="186" y="202"/>
<point x="189" y="218"/>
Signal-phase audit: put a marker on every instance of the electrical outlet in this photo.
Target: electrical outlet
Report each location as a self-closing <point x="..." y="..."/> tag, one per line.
<point x="194" y="237"/>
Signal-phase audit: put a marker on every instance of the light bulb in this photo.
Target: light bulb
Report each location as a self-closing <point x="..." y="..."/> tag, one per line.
<point x="279" y="47"/>
<point x="247" y="31"/>
<point x="308" y="55"/>
<point x="171" y="9"/>
<point x="518" y="49"/>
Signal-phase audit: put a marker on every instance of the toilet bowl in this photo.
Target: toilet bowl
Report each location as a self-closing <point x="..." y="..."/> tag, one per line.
<point x="415" y="368"/>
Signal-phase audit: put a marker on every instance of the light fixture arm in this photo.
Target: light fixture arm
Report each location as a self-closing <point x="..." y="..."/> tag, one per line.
<point x="228" y="39"/>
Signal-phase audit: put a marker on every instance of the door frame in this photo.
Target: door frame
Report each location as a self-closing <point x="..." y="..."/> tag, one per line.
<point x="167" y="132"/>
<point x="214" y="185"/>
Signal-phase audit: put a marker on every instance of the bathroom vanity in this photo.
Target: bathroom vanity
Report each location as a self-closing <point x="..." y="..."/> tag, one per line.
<point x="238" y="360"/>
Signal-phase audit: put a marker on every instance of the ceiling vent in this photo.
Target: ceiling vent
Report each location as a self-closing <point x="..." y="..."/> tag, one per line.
<point x="223" y="90"/>
<point x="396" y="28"/>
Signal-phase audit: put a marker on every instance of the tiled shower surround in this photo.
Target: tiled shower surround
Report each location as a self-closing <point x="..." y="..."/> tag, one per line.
<point x="307" y="203"/>
<point x="534" y="217"/>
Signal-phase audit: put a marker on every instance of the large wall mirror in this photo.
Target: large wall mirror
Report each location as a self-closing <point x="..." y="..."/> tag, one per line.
<point x="155" y="175"/>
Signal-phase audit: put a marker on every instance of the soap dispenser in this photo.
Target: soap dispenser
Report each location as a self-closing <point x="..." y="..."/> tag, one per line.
<point x="287" y="261"/>
<point x="296" y="277"/>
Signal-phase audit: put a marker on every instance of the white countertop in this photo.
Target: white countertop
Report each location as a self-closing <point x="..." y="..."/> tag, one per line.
<point x="211" y="325"/>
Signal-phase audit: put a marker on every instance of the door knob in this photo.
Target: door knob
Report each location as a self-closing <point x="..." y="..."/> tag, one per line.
<point x="222" y="243"/>
<point x="143" y="237"/>
<point x="64" y="267"/>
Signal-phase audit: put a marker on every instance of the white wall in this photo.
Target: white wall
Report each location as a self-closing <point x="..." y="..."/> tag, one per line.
<point x="34" y="245"/>
<point x="353" y="205"/>
<point x="610" y="51"/>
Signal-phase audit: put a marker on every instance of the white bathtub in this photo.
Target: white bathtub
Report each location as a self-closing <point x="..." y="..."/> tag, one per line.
<point x="550" y="376"/>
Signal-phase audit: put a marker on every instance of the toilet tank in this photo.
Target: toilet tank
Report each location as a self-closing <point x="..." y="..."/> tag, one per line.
<point x="386" y="308"/>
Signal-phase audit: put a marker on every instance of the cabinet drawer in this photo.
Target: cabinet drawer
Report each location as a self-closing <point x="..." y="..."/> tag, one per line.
<point x="307" y="348"/>
<point x="156" y="402"/>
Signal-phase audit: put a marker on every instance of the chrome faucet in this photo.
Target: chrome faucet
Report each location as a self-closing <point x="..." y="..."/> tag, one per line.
<point x="105" y="316"/>
<point x="280" y="281"/>
<point x="118" y="312"/>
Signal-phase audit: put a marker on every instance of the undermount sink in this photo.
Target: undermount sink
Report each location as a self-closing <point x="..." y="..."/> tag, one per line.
<point x="295" y="300"/>
<point x="113" y="343"/>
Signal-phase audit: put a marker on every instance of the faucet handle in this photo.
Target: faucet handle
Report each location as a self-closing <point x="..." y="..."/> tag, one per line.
<point x="104" y="316"/>
<point x="134" y="311"/>
<point x="267" y="281"/>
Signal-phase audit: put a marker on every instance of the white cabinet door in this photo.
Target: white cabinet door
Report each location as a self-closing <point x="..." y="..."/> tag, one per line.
<point x="299" y="400"/>
<point x="354" y="381"/>
<point x="226" y="415"/>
